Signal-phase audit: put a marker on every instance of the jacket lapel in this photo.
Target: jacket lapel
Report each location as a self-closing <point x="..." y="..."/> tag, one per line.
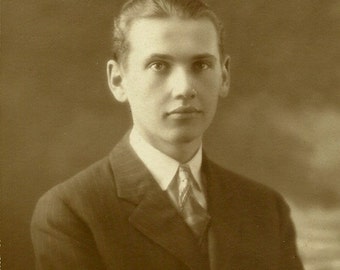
<point x="154" y="215"/>
<point x="224" y="232"/>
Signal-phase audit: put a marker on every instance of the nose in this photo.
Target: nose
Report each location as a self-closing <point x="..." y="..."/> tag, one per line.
<point x="182" y="84"/>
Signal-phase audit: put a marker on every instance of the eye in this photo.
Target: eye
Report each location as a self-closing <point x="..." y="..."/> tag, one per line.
<point x="158" y="66"/>
<point x="202" y="65"/>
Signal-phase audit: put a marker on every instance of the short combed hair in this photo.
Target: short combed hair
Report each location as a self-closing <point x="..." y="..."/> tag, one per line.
<point x="133" y="10"/>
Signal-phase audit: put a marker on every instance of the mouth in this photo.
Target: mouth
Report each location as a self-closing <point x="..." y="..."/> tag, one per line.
<point x="184" y="112"/>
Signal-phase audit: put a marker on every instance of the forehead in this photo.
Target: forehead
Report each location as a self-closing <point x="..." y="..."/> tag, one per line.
<point x="174" y="36"/>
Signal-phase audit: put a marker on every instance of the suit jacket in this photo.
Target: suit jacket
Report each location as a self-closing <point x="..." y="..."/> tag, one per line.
<point x="114" y="216"/>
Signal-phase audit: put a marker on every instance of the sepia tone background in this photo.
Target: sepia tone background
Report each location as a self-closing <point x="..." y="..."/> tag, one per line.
<point x="280" y="124"/>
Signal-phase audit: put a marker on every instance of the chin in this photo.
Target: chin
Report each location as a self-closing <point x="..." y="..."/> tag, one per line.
<point x="185" y="137"/>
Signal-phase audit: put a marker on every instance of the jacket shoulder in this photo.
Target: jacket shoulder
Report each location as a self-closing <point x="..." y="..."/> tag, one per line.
<point x="78" y="196"/>
<point x="242" y="183"/>
<point x="99" y="175"/>
<point x="251" y="194"/>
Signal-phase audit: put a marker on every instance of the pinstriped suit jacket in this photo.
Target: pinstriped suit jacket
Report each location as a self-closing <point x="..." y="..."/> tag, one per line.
<point x="114" y="216"/>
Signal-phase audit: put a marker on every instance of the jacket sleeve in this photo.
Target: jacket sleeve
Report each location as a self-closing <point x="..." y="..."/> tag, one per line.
<point x="61" y="240"/>
<point x="289" y="258"/>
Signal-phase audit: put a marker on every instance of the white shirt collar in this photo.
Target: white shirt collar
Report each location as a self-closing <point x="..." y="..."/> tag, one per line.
<point x="162" y="167"/>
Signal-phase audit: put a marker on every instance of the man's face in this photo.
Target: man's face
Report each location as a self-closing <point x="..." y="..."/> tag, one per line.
<point x="172" y="78"/>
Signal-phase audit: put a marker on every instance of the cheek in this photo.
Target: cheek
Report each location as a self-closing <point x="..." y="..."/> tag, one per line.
<point x="144" y="103"/>
<point x="211" y="78"/>
<point x="155" y="83"/>
<point x="147" y="86"/>
<point x="210" y="87"/>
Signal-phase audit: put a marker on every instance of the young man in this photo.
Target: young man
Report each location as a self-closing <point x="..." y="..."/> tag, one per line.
<point x="157" y="202"/>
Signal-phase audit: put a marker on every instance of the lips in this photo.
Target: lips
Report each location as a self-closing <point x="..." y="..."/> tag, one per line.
<point x="184" y="110"/>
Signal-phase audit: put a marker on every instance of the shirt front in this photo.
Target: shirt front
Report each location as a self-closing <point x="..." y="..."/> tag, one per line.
<point x="164" y="168"/>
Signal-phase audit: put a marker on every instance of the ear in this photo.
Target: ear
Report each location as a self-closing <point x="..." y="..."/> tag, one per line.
<point x="114" y="78"/>
<point x="225" y="77"/>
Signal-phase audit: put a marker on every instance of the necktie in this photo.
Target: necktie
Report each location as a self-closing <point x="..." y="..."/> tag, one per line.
<point x="193" y="213"/>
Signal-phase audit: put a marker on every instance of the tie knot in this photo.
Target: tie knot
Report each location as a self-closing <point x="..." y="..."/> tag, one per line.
<point x="184" y="183"/>
<point x="185" y="177"/>
<point x="184" y="171"/>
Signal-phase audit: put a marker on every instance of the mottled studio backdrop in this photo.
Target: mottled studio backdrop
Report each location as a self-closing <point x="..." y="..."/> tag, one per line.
<point x="280" y="124"/>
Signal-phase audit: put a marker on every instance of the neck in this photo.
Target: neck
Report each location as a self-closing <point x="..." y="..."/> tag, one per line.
<point x="180" y="151"/>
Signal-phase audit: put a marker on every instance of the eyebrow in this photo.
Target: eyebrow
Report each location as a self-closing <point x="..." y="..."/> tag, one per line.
<point x="169" y="57"/>
<point x="160" y="56"/>
<point x="205" y="56"/>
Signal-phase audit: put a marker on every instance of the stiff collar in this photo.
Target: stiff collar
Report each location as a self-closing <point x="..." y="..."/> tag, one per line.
<point x="162" y="167"/>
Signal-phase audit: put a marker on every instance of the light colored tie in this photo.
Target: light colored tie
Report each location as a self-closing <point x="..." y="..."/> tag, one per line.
<point x="193" y="213"/>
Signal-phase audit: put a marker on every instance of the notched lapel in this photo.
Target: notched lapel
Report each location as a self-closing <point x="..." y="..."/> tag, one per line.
<point x="156" y="218"/>
<point x="224" y="232"/>
<point x="154" y="215"/>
